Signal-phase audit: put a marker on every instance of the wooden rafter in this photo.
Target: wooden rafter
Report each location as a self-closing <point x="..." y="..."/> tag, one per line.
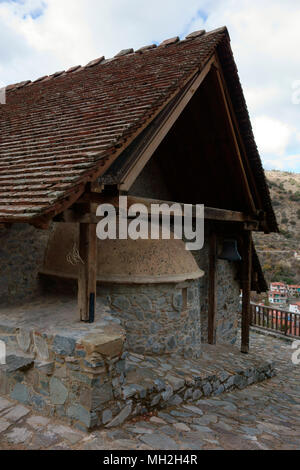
<point x="244" y="177"/>
<point x="151" y="145"/>
<point x="87" y="277"/>
<point x="76" y="214"/>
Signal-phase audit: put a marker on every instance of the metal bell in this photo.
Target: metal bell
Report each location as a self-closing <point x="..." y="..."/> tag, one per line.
<point x="230" y="250"/>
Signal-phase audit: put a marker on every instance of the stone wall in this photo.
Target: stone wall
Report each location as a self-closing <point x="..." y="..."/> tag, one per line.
<point x="151" y="183"/>
<point x="63" y="376"/>
<point x="228" y="299"/>
<point x="91" y="381"/>
<point x="228" y="296"/>
<point x="22" y="250"/>
<point x="158" y="318"/>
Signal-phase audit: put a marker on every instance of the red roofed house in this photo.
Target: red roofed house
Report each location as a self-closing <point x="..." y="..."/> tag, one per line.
<point x="295" y="307"/>
<point x="166" y="123"/>
<point x="278" y="287"/>
<point x="294" y="290"/>
<point x="277" y="296"/>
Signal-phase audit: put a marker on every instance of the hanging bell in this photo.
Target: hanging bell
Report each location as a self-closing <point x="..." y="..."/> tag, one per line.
<point x="230" y="250"/>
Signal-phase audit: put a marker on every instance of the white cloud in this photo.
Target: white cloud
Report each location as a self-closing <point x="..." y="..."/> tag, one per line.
<point x="71" y="32"/>
<point x="272" y="136"/>
<point x="289" y="162"/>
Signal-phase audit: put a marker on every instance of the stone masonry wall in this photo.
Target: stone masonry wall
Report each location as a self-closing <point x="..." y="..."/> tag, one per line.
<point x="228" y="299"/>
<point x="22" y="250"/>
<point x="228" y="296"/>
<point x="158" y="318"/>
<point x="63" y="376"/>
<point x="91" y="381"/>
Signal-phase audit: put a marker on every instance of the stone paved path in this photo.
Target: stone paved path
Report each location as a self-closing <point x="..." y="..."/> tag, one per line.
<point x="263" y="416"/>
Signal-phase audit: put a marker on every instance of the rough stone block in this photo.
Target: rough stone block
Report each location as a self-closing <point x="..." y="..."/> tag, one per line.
<point x="17" y="363"/>
<point x="46" y="368"/>
<point x="79" y="413"/>
<point x="58" y="392"/>
<point x="63" y="346"/>
<point x="19" y="436"/>
<point x="38" y="402"/>
<point x="121" y="417"/>
<point x="16" y="413"/>
<point x="24" y="339"/>
<point x="109" y="345"/>
<point x="41" y="347"/>
<point x="20" y="393"/>
<point x="106" y="416"/>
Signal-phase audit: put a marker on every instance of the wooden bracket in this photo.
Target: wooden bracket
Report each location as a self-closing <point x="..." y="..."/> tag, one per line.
<point x="87" y="278"/>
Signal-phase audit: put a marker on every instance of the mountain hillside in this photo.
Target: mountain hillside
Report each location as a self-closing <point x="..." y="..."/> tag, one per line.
<point x="277" y="251"/>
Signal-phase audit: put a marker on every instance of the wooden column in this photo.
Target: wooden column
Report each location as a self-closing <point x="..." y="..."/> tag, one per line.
<point x="212" y="291"/>
<point x="87" y="278"/>
<point x="247" y="270"/>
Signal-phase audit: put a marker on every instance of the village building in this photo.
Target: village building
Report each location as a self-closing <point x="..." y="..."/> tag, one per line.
<point x="280" y="287"/>
<point x="277" y="297"/>
<point x="295" y="307"/>
<point x="297" y="256"/>
<point x="166" y="123"/>
<point x="294" y="290"/>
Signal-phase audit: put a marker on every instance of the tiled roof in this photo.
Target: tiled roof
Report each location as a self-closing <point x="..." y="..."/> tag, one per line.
<point x="61" y="131"/>
<point x="66" y="129"/>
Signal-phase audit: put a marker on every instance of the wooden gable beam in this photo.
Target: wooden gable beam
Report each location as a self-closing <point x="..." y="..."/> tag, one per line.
<point x="151" y="145"/>
<point x="244" y="178"/>
<point x="87" y="276"/>
<point x="81" y="213"/>
<point x="238" y="133"/>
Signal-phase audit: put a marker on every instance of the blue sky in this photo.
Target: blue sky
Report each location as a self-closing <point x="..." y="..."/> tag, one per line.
<point x="39" y="37"/>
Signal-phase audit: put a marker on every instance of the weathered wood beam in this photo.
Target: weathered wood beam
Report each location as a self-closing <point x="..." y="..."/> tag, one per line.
<point x="244" y="177"/>
<point x="77" y="216"/>
<point x="246" y="286"/>
<point x="210" y="213"/>
<point x="239" y="136"/>
<point x="212" y="291"/>
<point x="87" y="278"/>
<point x="156" y="139"/>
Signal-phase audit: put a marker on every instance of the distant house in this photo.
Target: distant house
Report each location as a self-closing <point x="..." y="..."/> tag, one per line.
<point x="295" y="307"/>
<point x="278" y="287"/>
<point x="277" y="297"/>
<point x="294" y="290"/>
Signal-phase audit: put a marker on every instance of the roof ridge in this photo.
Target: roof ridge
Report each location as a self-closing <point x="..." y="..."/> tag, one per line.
<point x="124" y="52"/>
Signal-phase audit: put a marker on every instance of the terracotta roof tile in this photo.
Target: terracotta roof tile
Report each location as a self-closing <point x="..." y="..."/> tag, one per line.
<point x="124" y="52"/>
<point x="146" y="48"/>
<point x="56" y="135"/>
<point x="195" y="34"/>
<point x="40" y="79"/>
<point x="95" y="62"/>
<point x="167" y="42"/>
<point x="72" y="69"/>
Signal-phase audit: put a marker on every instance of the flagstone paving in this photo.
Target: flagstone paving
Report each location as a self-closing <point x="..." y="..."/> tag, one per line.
<point x="263" y="416"/>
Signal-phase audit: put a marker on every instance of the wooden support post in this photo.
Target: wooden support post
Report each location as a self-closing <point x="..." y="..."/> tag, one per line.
<point x="247" y="269"/>
<point x="212" y="291"/>
<point x="87" y="276"/>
